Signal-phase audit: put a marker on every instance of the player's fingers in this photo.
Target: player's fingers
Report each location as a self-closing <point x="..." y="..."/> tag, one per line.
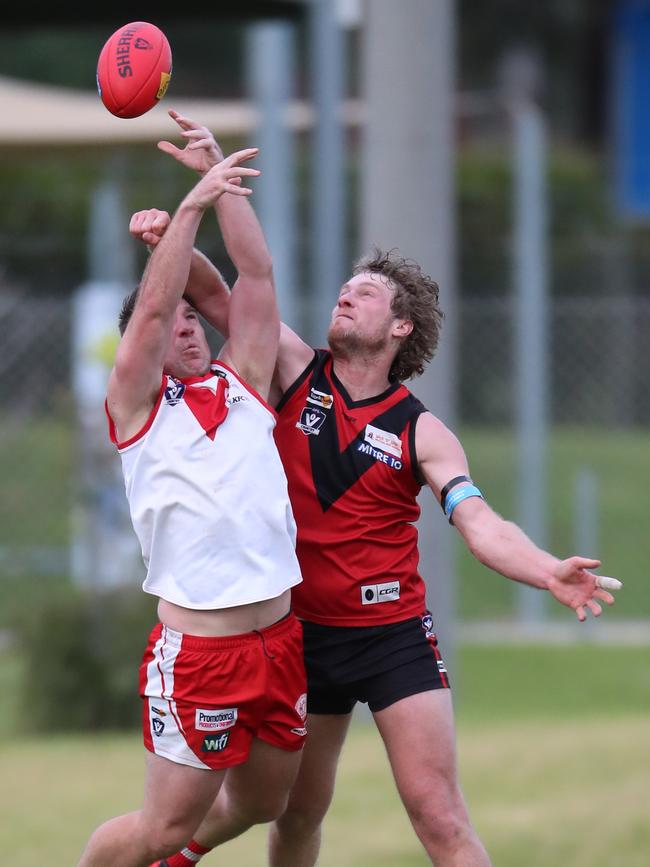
<point x="238" y="191"/>
<point x="605" y="583"/>
<point x="604" y="596"/>
<point x="242" y="156"/>
<point x="183" y="122"/>
<point x="168" y="148"/>
<point x="197" y="131"/>
<point x="584" y="563"/>
<point x="160" y="221"/>
<point x="594" y="607"/>
<point x="150" y="238"/>
<point x="580" y="613"/>
<point x="239" y="171"/>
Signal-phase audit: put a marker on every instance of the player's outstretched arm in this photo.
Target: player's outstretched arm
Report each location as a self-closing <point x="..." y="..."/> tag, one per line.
<point x="499" y="544"/>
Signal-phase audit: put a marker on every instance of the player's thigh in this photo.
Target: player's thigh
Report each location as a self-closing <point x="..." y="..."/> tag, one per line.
<point x="314" y="786"/>
<point x="260" y="787"/>
<point x="176" y="796"/>
<point x="418" y="732"/>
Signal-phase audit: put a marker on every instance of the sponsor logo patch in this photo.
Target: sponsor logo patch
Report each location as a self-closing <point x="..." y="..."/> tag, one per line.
<point x="158" y="710"/>
<point x="215" y="720"/>
<point x="380" y="456"/>
<point x="158" y="726"/>
<point x="427" y="625"/>
<point x="384" y="440"/>
<point x="320" y="398"/>
<point x="215" y="743"/>
<point x="441" y="666"/>
<point x="301" y="706"/>
<point x="301" y="732"/>
<point x="311" y="421"/>
<point x="372" y="594"/>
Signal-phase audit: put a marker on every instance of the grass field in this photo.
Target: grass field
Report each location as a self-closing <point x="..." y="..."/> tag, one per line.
<point x="554" y="757"/>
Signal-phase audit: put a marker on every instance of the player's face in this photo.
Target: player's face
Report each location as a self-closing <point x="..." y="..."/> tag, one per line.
<point x="189" y="353"/>
<point x="362" y="317"/>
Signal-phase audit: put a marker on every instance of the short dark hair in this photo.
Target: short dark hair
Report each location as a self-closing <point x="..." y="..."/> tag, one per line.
<point x="127" y="310"/>
<point x="416" y="299"/>
<point x="129" y="304"/>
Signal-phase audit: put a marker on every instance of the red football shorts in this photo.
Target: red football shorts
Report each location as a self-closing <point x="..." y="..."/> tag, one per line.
<point x="205" y="699"/>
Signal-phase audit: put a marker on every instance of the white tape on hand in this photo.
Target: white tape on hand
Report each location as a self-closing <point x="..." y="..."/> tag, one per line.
<point x="608" y="583"/>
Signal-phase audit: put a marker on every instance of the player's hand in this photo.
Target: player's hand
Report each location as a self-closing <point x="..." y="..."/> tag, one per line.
<point x="200" y="153"/>
<point x="225" y="177"/>
<point x="149" y="226"/>
<point x="578" y="588"/>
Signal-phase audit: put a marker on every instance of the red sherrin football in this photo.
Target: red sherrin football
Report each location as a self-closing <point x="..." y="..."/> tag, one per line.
<point x="134" y="69"/>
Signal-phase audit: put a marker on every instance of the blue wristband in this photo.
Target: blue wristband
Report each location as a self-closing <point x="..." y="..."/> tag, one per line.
<point x="457" y="496"/>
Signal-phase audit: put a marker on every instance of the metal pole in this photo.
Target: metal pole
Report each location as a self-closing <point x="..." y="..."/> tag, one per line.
<point x="408" y="203"/>
<point x="270" y="69"/>
<point x="521" y="79"/>
<point x="328" y="203"/>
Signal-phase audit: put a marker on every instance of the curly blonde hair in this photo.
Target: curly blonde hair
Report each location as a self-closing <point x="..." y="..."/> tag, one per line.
<point x="415" y="298"/>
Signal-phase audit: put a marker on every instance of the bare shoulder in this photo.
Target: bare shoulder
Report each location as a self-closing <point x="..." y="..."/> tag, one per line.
<point x="433" y="435"/>
<point x="440" y="454"/>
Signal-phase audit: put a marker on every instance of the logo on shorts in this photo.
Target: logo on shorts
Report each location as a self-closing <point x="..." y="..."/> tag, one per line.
<point x="301" y="706"/>
<point x="215" y="744"/>
<point x="302" y="732"/>
<point x="158" y="726"/>
<point x="441" y="667"/>
<point x="311" y="421"/>
<point x="215" y="720"/>
<point x="157" y="710"/>
<point x="371" y="594"/>
<point x="427" y="624"/>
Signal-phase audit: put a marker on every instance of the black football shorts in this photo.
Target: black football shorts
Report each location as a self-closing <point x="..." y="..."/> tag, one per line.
<point x="377" y="665"/>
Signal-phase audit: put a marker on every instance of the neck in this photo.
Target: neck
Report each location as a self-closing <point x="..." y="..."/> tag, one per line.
<point x="362" y="377"/>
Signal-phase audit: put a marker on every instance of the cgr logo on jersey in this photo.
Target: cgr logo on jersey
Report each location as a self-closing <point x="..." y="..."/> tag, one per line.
<point x="215" y="720"/>
<point x="158" y="726"/>
<point x="372" y="594"/>
<point x="174" y="392"/>
<point x="320" y="398"/>
<point x="311" y="421"/>
<point x="216" y="743"/>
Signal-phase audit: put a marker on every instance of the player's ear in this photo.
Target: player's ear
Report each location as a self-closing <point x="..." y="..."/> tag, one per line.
<point x="402" y="327"/>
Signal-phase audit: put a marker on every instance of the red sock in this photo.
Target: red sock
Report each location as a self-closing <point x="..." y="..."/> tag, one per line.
<point x="191" y="854"/>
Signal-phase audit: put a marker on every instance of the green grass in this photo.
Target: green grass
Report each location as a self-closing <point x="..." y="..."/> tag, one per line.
<point x="553" y="756"/>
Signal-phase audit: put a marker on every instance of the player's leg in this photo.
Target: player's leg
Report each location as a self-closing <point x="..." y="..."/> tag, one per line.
<point x="252" y="793"/>
<point x="295" y="838"/>
<point x="418" y="732"/>
<point x="176" y="799"/>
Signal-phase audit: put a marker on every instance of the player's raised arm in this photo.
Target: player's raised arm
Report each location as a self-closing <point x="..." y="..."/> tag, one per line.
<point x="249" y="253"/>
<point x="499" y="544"/>
<point x="136" y="376"/>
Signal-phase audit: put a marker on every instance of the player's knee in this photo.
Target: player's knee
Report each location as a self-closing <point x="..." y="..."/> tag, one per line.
<point x="442" y="825"/>
<point x="165" y="837"/>
<point x="303" y="814"/>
